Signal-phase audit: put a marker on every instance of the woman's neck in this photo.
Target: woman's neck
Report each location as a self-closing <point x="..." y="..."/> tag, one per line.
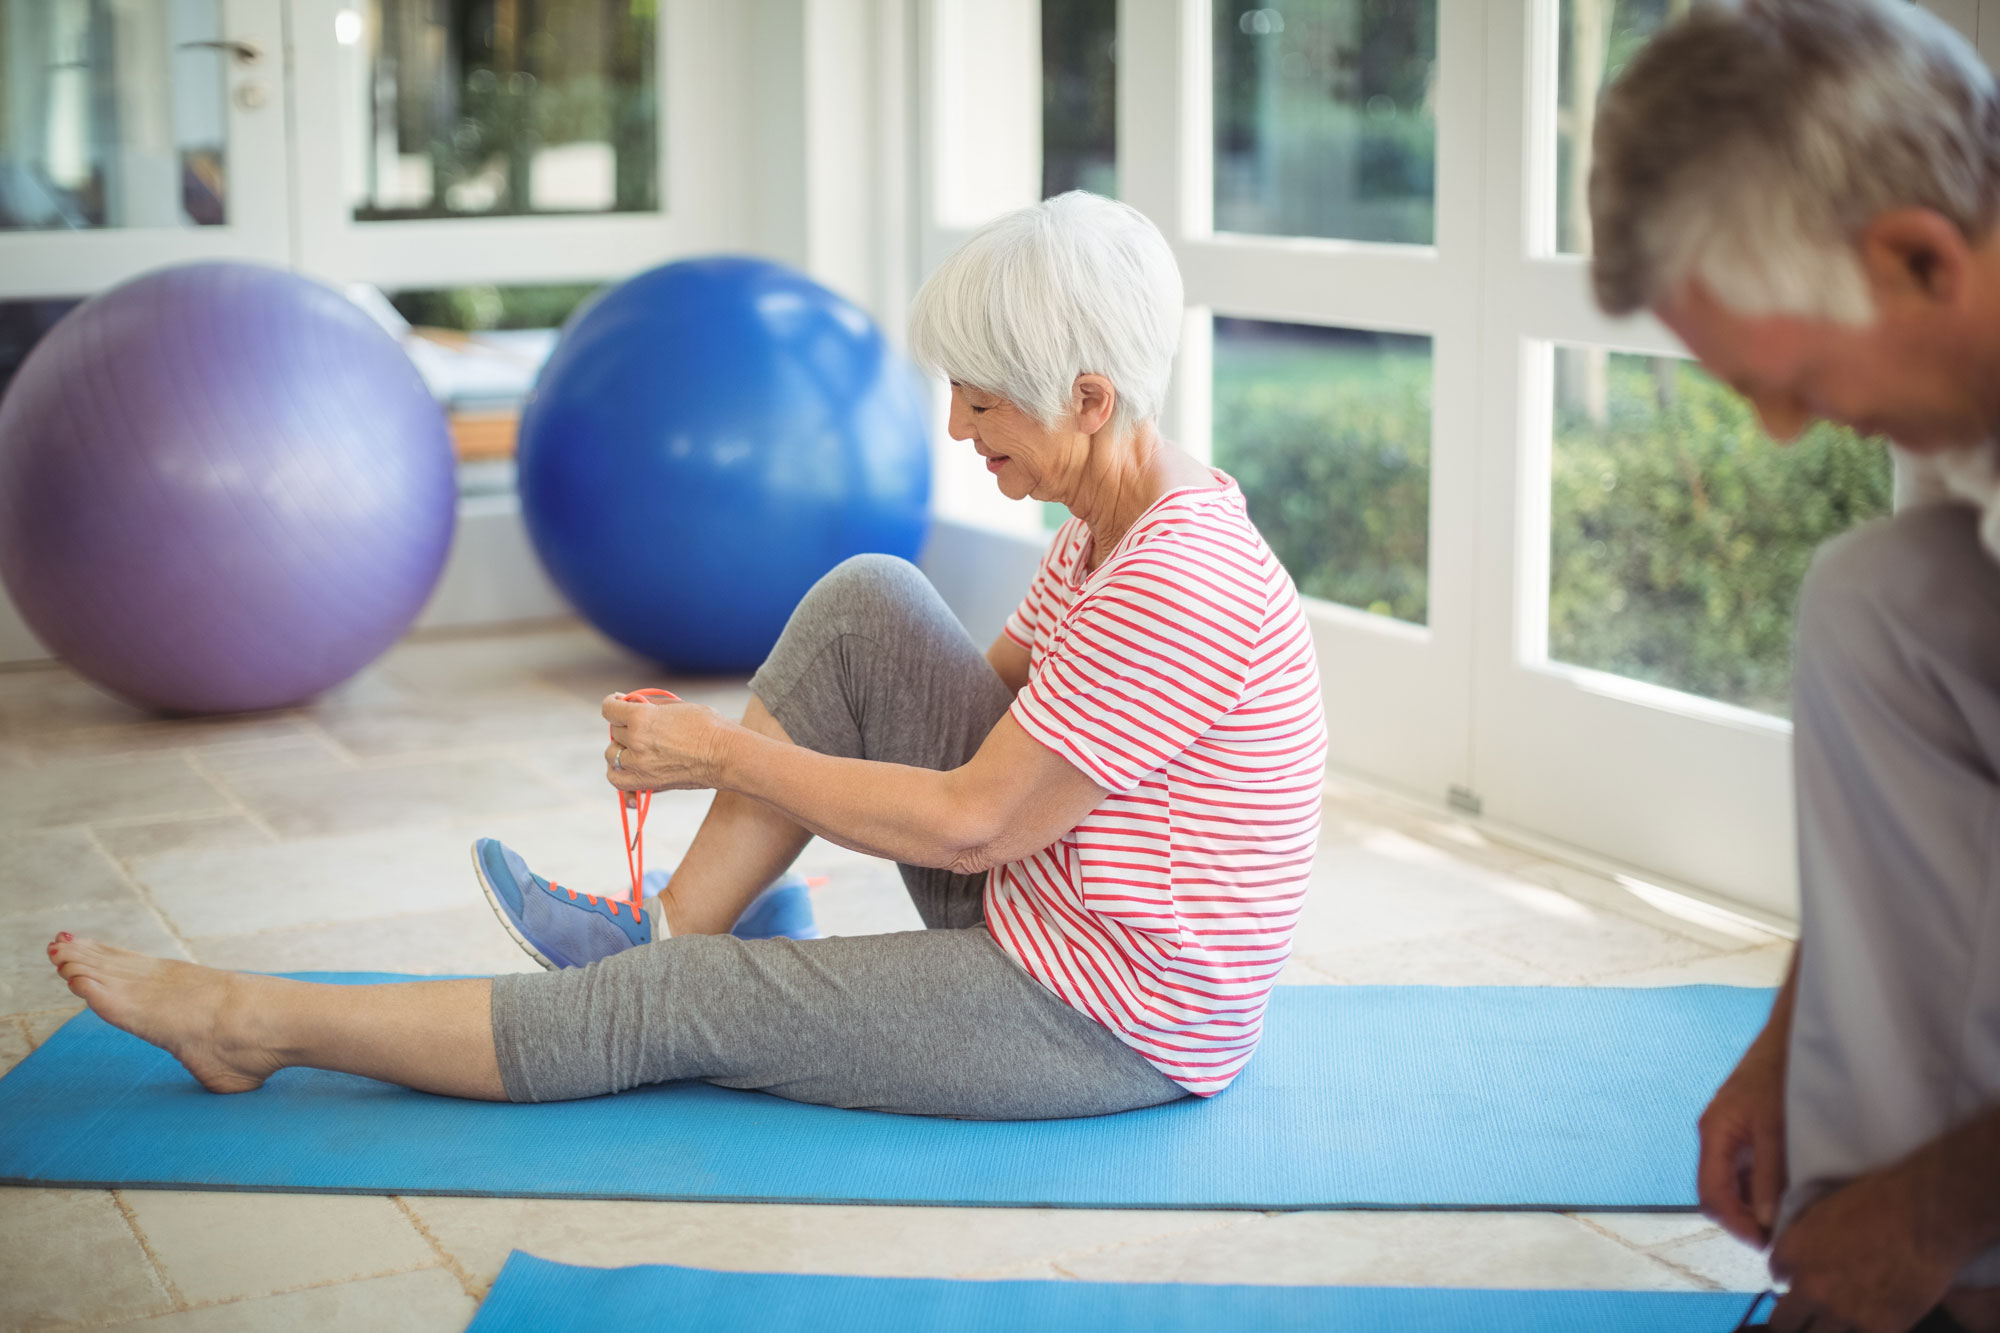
<point x="1125" y="480"/>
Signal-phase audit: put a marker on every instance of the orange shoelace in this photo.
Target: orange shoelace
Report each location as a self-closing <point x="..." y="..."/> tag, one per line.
<point x="635" y="836"/>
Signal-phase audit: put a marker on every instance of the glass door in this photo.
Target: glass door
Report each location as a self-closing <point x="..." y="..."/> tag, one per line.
<point x="1551" y="566"/>
<point x="1643" y="541"/>
<point x="551" y="140"/>
<point x="135" y="135"/>
<point x="1326" y="214"/>
<point x="1315" y="167"/>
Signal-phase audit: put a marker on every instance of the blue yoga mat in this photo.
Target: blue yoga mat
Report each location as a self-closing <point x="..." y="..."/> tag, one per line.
<point x="1362" y="1097"/>
<point x="534" y="1294"/>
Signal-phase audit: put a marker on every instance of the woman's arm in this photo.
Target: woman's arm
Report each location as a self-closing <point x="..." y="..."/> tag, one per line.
<point x="1010" y="660"/>
<point x="1014" y="797"/>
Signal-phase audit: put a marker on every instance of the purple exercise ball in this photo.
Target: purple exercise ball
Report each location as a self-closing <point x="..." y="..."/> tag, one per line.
<point x="222" y="488"/>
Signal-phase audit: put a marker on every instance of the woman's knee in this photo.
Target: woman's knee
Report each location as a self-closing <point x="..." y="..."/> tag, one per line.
<point x="877" y="597"/>
<point x="866" y="585"/>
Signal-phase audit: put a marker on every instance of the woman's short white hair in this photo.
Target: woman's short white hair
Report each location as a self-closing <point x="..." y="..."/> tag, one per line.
<point x="1075" y="285"/>
<point x="1751" y="143"/>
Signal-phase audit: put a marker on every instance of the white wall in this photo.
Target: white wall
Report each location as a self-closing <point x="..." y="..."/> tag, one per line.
<point x="981" y="573"/>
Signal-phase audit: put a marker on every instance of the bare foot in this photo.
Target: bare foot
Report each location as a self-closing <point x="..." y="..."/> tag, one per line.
<point x="203" y="1017"/>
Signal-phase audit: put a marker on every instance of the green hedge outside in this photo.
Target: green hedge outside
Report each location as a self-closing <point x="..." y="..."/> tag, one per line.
<point x="1679" y="532"/>
<point x="1330" y="439"/>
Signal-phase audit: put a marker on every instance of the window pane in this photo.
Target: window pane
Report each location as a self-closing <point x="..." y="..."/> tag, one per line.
<point x="1328" y="431"/>
<point x="477" y="309"/>
<point x="111" y="115"/>
<point x="479" y="348"/>
<point x="1679" y="533"/>
<point x="499" y="107"/>
<point x="1080" y="96"/>
<point x="1597" y="38"/>
<point x="1323" y="119"/>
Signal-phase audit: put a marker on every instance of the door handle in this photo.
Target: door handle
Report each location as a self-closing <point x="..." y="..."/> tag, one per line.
<point x="246" y="53"/>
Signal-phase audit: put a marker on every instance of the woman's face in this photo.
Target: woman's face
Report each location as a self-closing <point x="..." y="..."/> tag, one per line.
<point x="1025" y="457"/>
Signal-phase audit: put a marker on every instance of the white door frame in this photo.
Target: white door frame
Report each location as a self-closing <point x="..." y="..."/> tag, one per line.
<point x="703" y="174"/>
<point x="1398" y="696"/>
<point x="1688" y="789"/>
<point x="54" y="264"/>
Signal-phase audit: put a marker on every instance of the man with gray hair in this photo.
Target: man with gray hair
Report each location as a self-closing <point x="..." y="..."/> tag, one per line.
<point x="1807" y="192"/>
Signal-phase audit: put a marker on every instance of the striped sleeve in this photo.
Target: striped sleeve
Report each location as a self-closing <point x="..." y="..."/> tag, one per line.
<point x="1149" y="658"/>
<point x="1039" y="605"/>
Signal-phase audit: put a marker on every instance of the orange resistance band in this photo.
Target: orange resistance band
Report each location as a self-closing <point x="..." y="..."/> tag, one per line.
<point x="635" y="834"/>
<point x="635" y="837"/>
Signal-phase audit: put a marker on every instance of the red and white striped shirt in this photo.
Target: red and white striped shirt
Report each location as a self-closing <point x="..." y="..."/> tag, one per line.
<point x="1179" y="676"/>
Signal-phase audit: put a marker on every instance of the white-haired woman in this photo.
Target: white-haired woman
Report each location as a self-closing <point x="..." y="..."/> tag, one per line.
<point x="1106" y="820"/>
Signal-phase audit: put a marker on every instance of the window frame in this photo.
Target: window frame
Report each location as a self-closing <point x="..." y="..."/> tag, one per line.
<point x="37" y="265"/>
<point x="1469" y="707"/>
<point x="698" y="210"/>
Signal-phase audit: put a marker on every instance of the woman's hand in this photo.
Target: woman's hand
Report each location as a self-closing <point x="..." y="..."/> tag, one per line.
<point x="664" y="745"/>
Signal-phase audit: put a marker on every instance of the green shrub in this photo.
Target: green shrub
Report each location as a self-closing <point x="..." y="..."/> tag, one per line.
<point x="474" y="308"/>
<point x="1332" y="450"/>
<point x="1679" y="532"/>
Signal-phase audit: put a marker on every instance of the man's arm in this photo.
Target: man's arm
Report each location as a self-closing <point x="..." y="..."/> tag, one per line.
<point x="1883" y="1249"/>
<point x="1741" y="1174"/>
<point x="1960" y="1173"/>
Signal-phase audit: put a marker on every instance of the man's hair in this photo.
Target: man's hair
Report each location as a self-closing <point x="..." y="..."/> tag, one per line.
<point x="1751" y="143"/>
<point x="1075" y="285"/>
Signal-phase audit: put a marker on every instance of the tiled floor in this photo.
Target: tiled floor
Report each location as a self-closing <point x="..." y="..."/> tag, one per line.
<point x="334" y="837"/>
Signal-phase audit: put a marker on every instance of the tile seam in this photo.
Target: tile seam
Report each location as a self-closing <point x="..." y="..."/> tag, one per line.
<point x="319" y="730"/>
<point x="1649" y="1252"/>
<point x="1061" y="1257"/>
<point x="175" y="1300"/>
<point x="222" y="785"/>
<point x="24" y="1016"/>
<point x="446" y="1258"/>
<point x="144" y="895"/>
<point x="220" y="1302"/>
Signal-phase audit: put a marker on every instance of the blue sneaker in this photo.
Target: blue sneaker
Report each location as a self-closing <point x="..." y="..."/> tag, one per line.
<point x="782" y="912"/>
<point x="558" y="927"/>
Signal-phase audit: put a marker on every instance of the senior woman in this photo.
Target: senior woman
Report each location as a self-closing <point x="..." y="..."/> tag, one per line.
<point x="1106" y="821"/>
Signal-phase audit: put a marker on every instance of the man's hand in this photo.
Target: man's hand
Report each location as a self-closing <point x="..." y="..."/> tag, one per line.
<point x="1741" y="1175"/>
<point x="1865" y="1257"/>
<point x="662" y="745"/>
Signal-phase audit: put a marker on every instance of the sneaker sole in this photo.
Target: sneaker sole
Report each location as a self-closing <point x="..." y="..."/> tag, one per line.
<point x="500" y="913"/>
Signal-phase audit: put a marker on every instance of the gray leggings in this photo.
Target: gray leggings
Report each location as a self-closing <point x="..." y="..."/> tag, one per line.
<point x="872" y="665"/>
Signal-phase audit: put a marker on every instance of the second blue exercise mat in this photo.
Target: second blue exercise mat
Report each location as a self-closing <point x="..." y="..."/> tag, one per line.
<point x="536" y="1296"/>
<point x="1362" y="1096"/>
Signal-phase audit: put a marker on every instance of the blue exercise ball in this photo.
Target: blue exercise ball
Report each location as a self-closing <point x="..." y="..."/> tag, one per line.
<point x="708" y="439"/>
<point x="222" y="487"/>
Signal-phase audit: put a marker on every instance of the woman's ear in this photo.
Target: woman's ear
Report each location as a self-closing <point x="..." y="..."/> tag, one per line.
<point x="1093" y="400"/>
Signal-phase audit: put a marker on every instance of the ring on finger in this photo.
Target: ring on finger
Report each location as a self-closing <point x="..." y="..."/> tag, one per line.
<point x="616" y="757"/>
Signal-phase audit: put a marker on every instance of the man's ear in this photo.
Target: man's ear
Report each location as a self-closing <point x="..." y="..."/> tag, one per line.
<point x="1916" y="254"/>
<point x="1093" y="400"/>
